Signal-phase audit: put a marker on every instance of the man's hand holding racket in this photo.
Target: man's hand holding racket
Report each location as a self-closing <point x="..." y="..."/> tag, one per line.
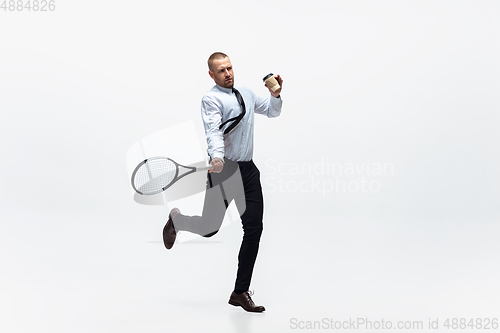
<point x="217" y="165"/>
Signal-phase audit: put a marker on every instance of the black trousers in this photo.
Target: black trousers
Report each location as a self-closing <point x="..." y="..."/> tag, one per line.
<point x="238" y="181"/>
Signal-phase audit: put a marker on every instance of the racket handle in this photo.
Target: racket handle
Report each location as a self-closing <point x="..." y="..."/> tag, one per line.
<point x="204" y="168"/>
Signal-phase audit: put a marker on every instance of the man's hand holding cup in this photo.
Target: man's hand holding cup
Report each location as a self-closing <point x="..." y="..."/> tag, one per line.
<point x="273" y="83"/>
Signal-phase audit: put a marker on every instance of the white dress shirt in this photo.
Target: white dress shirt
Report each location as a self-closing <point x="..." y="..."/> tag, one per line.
<point x="221" y="104"/>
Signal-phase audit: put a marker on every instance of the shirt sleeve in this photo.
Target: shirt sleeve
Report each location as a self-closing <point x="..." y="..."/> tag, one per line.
<point x="211" y="114"/>
<point x="270" y="107"/>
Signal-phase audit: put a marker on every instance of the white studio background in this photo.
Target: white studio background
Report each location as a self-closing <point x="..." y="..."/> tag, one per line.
<point x="380" y="177"/>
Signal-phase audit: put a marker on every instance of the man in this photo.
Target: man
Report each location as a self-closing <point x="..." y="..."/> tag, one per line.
<point x="228" y="118"/>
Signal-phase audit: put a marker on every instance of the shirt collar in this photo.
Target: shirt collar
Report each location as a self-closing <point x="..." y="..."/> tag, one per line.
<point x="226" y="90"/>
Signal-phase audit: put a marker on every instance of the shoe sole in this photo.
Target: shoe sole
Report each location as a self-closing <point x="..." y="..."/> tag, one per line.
<point x="237" y="304"/>
<point x="168" y="245"/>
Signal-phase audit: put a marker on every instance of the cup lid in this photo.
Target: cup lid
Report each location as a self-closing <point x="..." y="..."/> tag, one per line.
<point x="267" y="76"/>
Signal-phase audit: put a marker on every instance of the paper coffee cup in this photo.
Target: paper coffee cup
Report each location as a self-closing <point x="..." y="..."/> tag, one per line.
<point x="271" y="82"/>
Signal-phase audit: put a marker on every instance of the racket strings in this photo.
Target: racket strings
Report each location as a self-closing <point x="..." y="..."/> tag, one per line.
<point x="154" y="175"/>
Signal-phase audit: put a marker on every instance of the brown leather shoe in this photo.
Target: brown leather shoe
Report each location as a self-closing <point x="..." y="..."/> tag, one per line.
<point x="245" y="301"/>
<point x="169" y="232"/>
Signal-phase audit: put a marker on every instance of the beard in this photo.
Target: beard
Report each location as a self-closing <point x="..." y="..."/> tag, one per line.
<point x="229" y="83"/>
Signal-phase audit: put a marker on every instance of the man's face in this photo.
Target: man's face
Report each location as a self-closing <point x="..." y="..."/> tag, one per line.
<point x="222" y="72"/>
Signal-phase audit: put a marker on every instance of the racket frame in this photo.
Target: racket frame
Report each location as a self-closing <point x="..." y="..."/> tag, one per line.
<point x="174" y="180"/>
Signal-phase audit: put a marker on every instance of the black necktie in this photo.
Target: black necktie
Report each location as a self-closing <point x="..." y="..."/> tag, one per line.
<point x="235" y="120"/>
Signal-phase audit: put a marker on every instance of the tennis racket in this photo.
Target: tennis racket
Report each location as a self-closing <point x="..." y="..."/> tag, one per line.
<point x="156" y="174"/>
